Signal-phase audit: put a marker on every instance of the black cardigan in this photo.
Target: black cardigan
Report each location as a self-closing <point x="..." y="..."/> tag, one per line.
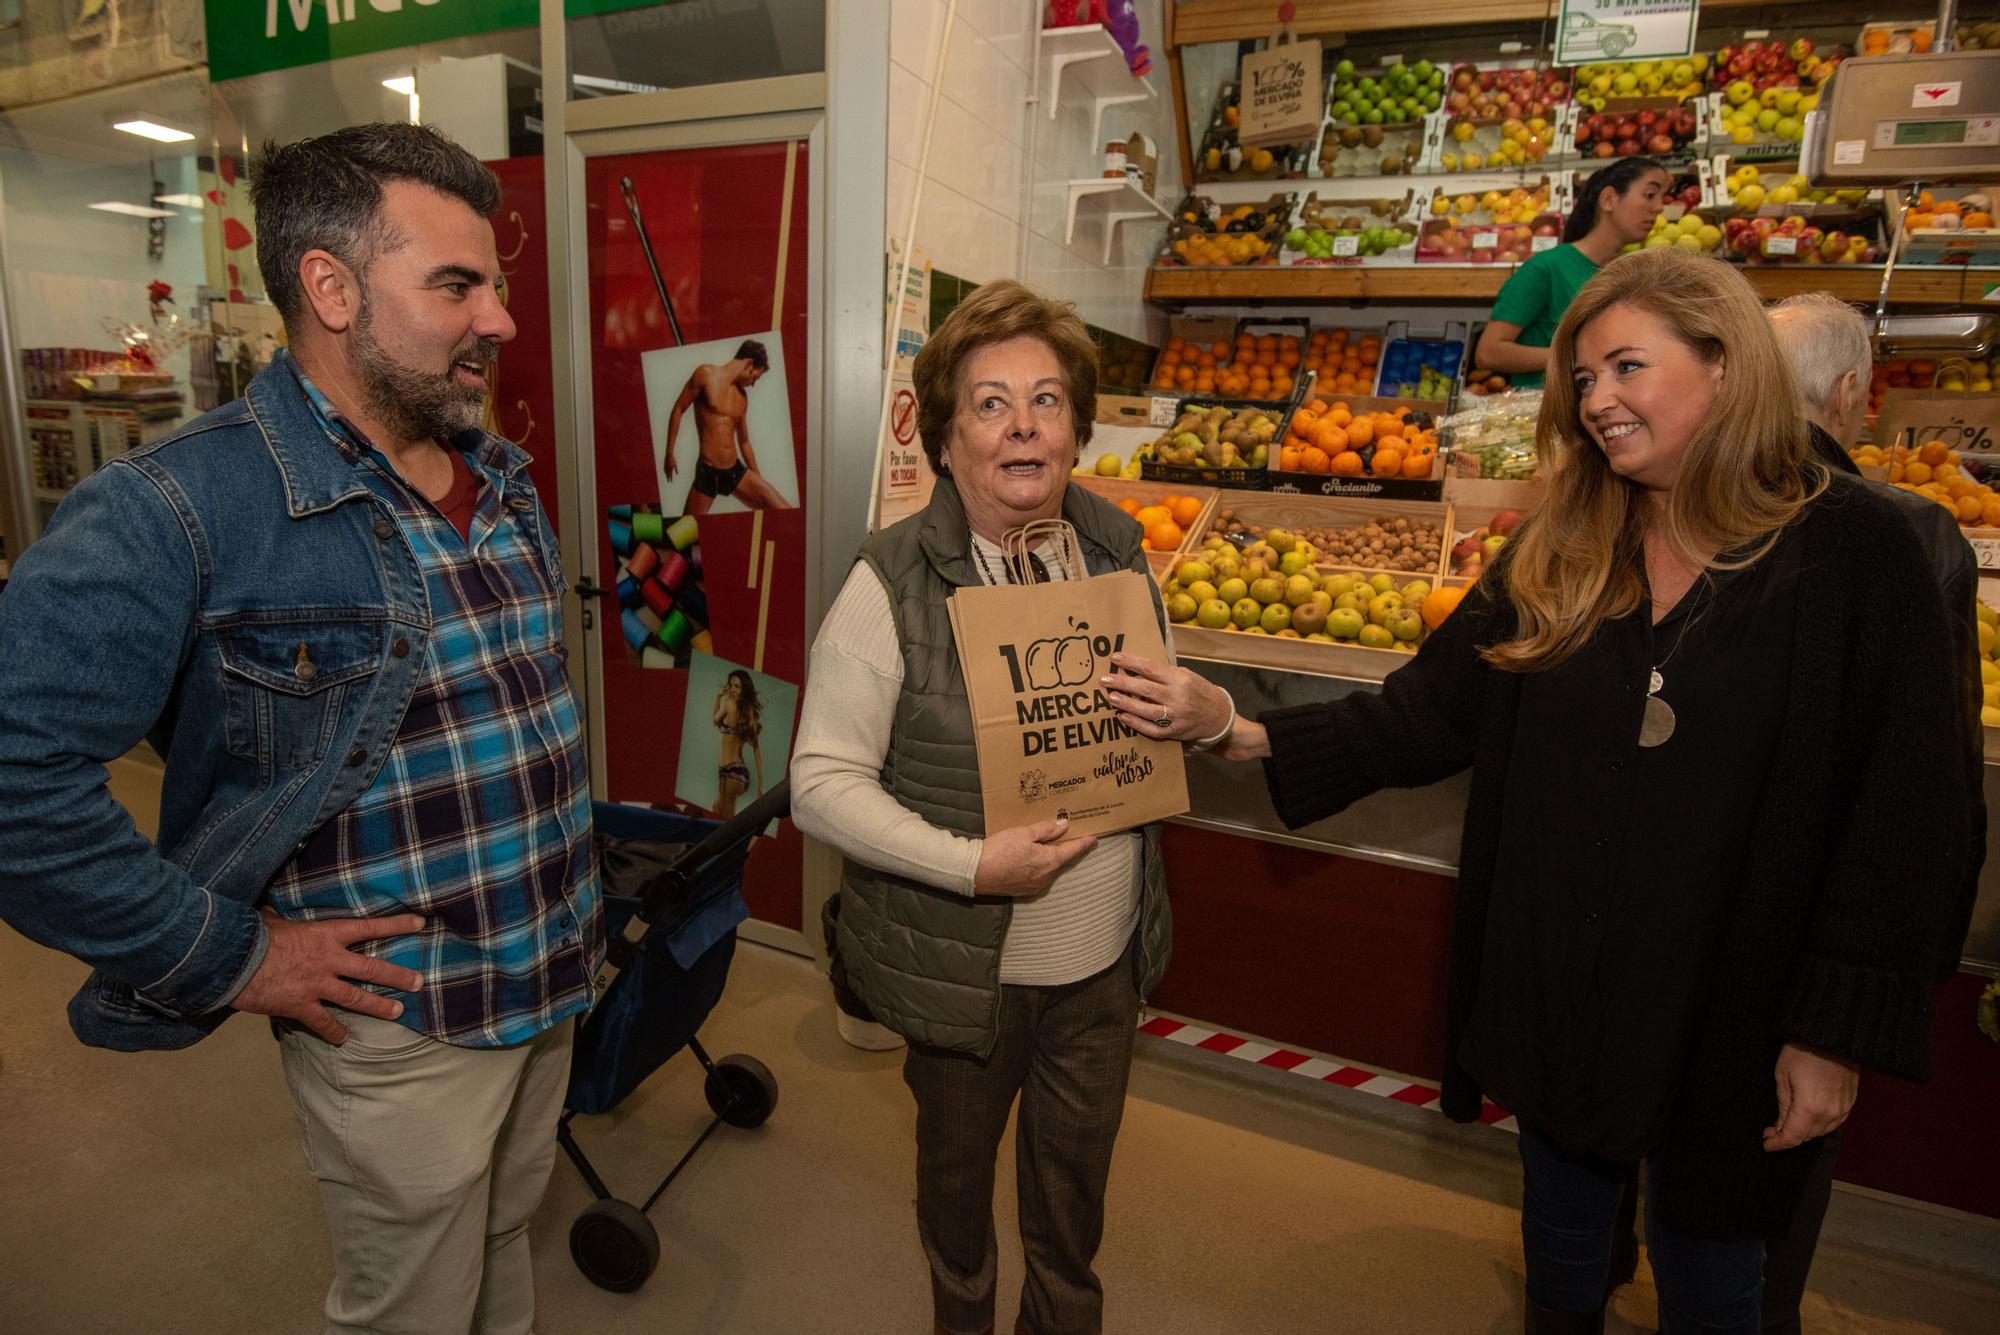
<point x="1857" y="869"/>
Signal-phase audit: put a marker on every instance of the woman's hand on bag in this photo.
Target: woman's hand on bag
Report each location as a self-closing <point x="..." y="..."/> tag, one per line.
<point x="1174" y="704"/>
<point x="1815" y="1093"/>
<point x="1026" y="859"/>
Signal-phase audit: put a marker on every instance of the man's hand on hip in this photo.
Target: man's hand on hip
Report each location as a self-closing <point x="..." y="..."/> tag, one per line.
<point x="308" y="964"/>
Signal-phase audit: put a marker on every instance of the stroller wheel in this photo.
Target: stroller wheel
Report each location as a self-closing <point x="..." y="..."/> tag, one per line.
<point x="614" y="1245"/>
<point x="742" y="1091"/>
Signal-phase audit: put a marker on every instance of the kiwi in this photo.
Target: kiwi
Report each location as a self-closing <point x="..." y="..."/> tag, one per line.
<point x="1371" y="136"/>
<point x="1350" y="136"/>
<point x="1391" y="167"/>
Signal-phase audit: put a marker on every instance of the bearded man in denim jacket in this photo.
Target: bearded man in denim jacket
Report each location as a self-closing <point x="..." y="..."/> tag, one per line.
<point x="334" y="609"/>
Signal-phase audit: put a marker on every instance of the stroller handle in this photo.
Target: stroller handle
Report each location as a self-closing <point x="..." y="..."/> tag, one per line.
<point x="670" y="886"/>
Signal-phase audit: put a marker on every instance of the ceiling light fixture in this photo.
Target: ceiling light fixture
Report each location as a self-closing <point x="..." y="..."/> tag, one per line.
<point x="185" y="201"/>
<point x="165" y="134"/>
<point x="132" y="210"/>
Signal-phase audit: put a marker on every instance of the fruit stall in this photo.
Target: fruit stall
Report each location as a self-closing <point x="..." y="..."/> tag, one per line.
<point x="1335" y="937"/>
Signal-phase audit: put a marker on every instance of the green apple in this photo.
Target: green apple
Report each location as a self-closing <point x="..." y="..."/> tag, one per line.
<point x="1344" y="623"/>
<point x="1405" y="624"/>
<point x="1245" y="611"/>
<point x="1375" y="637"/>
<point x="1202" y="591"/>
<point x="1232" y="591"/>
<point x="1382" y="583"/>
<point x="1299" y="590"/>
<point x="1214" y="614"/>
<point x="1382" y="605"/>
<point x="1181" y="608"/>
<point x="1268" y="590"/>
<point x="1276" y="617"/>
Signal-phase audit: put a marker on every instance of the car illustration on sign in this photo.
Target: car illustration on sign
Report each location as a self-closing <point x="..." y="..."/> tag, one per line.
<point x="1583" y="34"/>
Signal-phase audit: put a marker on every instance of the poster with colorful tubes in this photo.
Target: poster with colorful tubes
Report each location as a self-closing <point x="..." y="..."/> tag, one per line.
<point x="663" y="608"/>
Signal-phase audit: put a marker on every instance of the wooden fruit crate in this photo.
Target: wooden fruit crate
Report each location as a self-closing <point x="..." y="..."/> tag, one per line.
<point x="1274" y="509"/>
<point x="1116" y="489"/>
<point x="1347" y="660"/>
<point x="1475" y="501"/>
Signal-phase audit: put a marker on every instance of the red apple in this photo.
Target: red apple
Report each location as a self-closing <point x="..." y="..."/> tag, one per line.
<point x="1660" y="144"/>
<point x="1604" y="148"/>
<point x="1505" y="523"/>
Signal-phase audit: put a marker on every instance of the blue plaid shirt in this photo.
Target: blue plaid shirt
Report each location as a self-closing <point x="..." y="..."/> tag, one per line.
<point x="480" y="816"/>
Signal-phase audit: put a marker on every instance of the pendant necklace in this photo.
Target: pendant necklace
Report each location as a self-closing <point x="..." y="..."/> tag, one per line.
<point x="1657" y="724"/>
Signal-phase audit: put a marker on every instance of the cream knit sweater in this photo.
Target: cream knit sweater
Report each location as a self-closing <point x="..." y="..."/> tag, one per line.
<point x="1077" y="927"/>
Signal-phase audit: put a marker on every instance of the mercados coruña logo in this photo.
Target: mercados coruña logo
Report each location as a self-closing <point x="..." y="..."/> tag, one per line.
<point x="1034" y="785"/>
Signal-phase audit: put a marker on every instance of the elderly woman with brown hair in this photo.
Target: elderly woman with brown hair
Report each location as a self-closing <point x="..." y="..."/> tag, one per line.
<point x="1013" y="963"/>
<point x="1685" y="918"/>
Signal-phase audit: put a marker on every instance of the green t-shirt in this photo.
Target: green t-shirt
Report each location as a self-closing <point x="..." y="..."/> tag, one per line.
<point x="1536" y="297"/>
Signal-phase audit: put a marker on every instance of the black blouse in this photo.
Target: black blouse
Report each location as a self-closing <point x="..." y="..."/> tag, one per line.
<point x="1617" y="861"/>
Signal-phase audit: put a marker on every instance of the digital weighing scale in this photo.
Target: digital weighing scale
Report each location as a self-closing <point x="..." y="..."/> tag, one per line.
<point x="1894" y="120"/>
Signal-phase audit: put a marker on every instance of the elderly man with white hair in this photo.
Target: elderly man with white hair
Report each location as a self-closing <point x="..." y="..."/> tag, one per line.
<point x="1828" y="345"/>
<point x="1827" y="342"/>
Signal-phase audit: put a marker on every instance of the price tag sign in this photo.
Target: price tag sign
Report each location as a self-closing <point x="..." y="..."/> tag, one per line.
<point x="1165" y="410"/>
<point x="1781" y="245"/>
<point x="1347" y="245"/>
<point x="1987" y="550"/>
<point x="1485" y="240"/>
<point x="1542" y="243"/>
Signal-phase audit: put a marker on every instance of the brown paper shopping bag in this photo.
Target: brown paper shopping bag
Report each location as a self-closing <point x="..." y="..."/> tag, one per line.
<point x="1049" y="742"/>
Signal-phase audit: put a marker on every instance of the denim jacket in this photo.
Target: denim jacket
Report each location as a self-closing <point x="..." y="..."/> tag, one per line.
<point x="167" y="600"/>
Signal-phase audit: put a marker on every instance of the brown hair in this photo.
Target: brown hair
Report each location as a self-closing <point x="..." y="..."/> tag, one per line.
<point x="995" y="312"/>
<point x="1579" y="561"/>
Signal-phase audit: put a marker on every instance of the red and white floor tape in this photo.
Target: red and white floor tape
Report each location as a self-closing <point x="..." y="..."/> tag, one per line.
<point x="1306" y="1066"/>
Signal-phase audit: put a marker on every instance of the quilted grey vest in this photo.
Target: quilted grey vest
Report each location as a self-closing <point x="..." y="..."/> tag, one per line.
<point x="927" y="961"/>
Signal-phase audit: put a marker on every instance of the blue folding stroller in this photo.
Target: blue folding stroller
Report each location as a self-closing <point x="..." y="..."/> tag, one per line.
<point x="672" y="901"/>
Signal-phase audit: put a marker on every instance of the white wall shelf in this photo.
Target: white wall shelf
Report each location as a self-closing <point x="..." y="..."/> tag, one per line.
<point x="1064" y="47"/>
<point x="1113" y="200"/>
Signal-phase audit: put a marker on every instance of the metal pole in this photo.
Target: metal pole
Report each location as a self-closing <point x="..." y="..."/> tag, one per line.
<point x="17" y="483"/>
<point x="1947" y="24"/>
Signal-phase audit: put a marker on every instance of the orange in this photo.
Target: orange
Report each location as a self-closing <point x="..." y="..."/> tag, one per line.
<point x="1970" y="509"/>
<point x="1916" y="473"/>
<point x="1347" y="463"/>
<point x="1989" y="511"/>
<point x="1388" y="462"/>
<point x="1934" y="452"/>
<point x="1288" y="458"/>
<point x="1341" y="417"/>
<point x="1186" y="509"/>
<point x="1331" y="438"/>
<point x="1386" y="426"/>
<point x="1129" y="506"/>
<point x="1439" y="603"/>
<point x="1418" y="465"/>
<point x="1360" y="431"/>
<point x="1150" y="515"/>
<point x="1313" y="459"/>
<point x="1165" y="535"/>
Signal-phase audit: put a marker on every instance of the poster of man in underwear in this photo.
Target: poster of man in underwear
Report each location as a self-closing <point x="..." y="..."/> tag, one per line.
<point x="719" y="464"/>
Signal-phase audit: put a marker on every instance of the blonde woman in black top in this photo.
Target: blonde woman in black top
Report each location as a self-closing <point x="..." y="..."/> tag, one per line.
<point x="1685" y="691"/>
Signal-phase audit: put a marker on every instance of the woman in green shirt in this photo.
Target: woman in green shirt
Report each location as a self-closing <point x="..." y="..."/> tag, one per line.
<point x="1615" y="207"/>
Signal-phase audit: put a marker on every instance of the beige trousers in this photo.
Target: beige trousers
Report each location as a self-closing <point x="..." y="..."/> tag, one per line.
<point x="430" y="1161"/>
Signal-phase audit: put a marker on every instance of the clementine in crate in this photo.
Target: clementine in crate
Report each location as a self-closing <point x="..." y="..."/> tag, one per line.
<point x="1418" y="465"/>
<point x="1149" y="515"/>
<point x="1313" y="459"/>
<point x="1360" y="432"/>
<point x="1129" y="506"/>
<point x="1347" y="463"/>
<point x="1388" y="461"/>
<point x="1439" y="604"/>
<point x="1164" y="536"/>
<point x="1288" y="458"/>
<point x="1186" y="509"/>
